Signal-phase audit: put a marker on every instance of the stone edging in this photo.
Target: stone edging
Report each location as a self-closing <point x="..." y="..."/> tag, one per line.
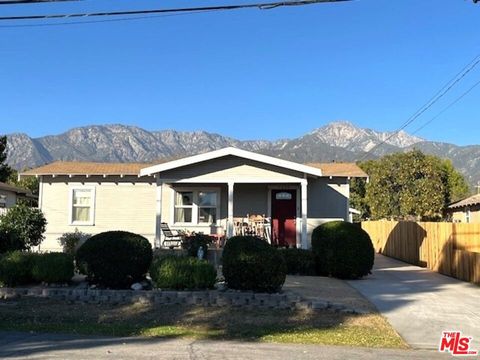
<point x="218" y="298"/>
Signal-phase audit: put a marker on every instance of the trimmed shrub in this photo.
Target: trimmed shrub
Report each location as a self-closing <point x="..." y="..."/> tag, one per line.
<point x="16" y="268"/>
<point x="192" y="243"/>
<point x="9" y="240"/>
<point x="27" y="223"/>
<point x="299" y="261"/>
<point x="342" y="250"/>
<point x="70" y="242"/>
<point x="176" y="272"/>
<point x="115" y="259"/>
<point x="53" y="268"/>
<point x="250" y="263"/>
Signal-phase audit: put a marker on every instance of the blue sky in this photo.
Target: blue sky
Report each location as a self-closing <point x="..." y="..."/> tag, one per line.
<point x="248" y="74"/>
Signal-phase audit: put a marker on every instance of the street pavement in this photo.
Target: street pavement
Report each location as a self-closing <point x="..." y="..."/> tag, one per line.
<point x="420" y="303"/>
<point x="15" y="345"/>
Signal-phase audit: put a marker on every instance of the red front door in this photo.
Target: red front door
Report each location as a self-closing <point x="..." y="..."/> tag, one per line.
<point x="284" y="213"/>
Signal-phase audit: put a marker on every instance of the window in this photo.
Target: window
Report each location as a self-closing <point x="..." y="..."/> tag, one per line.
<point x="3" y="201"/>
<point x="467" y="215"/>
<point x="183" y="206"/>
<point x="82" y="206"/>
<point x="207" y="207"/>
<point x="196" y="206"/>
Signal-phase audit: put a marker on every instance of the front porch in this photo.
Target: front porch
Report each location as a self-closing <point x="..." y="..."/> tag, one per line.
<point x="276" y="212"/>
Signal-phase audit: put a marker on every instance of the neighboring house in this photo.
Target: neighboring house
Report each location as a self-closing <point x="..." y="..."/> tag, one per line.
<point x="10" y="195"/>
<point x="466" y="210"/>
<point x="203" y="193"/>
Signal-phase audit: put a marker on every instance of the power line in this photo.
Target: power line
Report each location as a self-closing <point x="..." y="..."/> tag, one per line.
<point x="16" y="2"/>
<point x="261" y="6"/>
<point x="438" y="95"/>
<point x="101" y="20"/>
<point x="447" y="107"/>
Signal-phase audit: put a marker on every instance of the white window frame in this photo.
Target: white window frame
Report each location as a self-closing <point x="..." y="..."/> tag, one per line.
<point x="91" y="222"/>
<point x="195" y="207"/>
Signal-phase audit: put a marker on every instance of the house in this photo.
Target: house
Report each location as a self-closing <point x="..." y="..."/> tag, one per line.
<point x="466" y="210"/>
<point x="10" y="196"/>
<point x="205" y="193"/>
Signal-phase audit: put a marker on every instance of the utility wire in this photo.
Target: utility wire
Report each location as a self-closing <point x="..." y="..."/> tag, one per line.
<point x="261" y="6"/>
<point x="16" y="2"/>
<point x="447" y="107"/>
<point x="101" y="20"/>
<point x="439" y="94"/>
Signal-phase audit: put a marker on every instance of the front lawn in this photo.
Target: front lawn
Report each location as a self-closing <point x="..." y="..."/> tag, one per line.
<point x="267" y="325"/>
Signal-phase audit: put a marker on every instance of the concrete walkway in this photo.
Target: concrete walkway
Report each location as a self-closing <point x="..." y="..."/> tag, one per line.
<point x="420" y="304"/>
<point x="73" y="347"/>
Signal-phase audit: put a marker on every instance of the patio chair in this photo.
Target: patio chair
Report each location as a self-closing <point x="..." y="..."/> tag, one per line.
<point x="173" y="238"/>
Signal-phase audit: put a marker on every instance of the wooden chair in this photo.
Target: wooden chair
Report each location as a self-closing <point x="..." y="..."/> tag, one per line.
<point x="173" y="238"/>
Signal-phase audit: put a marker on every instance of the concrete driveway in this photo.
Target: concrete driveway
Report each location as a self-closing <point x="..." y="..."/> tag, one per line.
<point x="420" y="304"/>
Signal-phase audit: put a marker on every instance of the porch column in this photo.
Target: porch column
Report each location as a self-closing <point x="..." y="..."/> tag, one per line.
<point x="304" y="184"/>
<point x="158" y="219"/>
<point x="230" y="210"/>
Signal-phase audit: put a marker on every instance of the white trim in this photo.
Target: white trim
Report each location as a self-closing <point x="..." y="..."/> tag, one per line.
<point x="40" y="193"/>
<point x="304" y="195"/>
<point x="234" y="152"/>
<point x="158" y="216"/>
<point x="92" y="206"/>
<point x="230" y="224"/>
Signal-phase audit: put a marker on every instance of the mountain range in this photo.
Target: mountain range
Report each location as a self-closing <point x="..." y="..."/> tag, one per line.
<point x="337" y="141"/>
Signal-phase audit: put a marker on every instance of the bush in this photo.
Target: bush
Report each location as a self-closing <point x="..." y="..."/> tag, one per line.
<point x="342" y="250"/>
<point x="25" y="225"/>
<point x="192" y="243"/>
<point x="250" y="263"/>
<point x="115" y="259"/>
<point x="179" y="273"/>
<point x="70" y="242"/>
<point x="299" y="261"/>
<point x="53" y="268"/>
<point x="9" y="241"/>
<point x="16" y="268"/>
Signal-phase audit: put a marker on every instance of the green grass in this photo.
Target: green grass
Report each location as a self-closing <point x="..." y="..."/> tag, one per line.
<point x="171" y="321"/>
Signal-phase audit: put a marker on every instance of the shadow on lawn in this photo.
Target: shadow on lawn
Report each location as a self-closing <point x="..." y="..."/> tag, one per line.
<point x="163" y="322"/>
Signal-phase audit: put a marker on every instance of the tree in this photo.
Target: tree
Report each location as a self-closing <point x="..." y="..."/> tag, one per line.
<point x="406" y="185"/>
<point x="22" y="227"/>
<point x="30" y="182"/>
<point x="5" y="170"/>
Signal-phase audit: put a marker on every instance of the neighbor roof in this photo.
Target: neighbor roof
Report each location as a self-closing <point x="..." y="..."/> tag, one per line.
<point x="472" y="200"/>
<point x="340" y="169"/>
<point x="86" y="168"/>
<point x="14" y="189"/>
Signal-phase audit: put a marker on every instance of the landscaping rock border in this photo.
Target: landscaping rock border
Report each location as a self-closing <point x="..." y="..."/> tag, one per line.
<point x="233" y="298"/>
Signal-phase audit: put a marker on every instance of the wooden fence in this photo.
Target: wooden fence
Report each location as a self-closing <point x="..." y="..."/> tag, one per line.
<point x="452" y="249"/>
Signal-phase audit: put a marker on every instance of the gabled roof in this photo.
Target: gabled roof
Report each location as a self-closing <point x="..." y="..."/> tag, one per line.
<point x="340" y="169"/>
<point x="86" y="168"/>
<point x="233" y="152"/>
<point x="17" y="190"/>
<point x="72" y="168"/>
<point x="470" y="201"/>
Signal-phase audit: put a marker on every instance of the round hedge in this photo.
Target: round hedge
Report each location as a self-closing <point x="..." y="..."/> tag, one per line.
<point x="115" y="259"/>
<point x="250" y="263"/>
<point x="342" y="250"/>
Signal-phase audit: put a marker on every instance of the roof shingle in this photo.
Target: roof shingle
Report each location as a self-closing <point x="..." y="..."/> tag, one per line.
<point x="472" y="200"/>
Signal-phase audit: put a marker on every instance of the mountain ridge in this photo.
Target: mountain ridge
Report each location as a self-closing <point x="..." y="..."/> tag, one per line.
<point x="336" y="141"/>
